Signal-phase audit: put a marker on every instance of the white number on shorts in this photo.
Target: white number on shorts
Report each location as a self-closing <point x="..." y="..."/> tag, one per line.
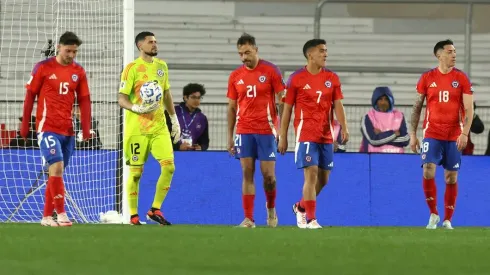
<point x="319" y="96"/>
<point x="50" y="142"/>
<point x="425" y="147"/>
<point x="238" y="140"/>
<point x="307" y="146"/>
<point x="251" y="91"/>
<point x="443" y="96"/>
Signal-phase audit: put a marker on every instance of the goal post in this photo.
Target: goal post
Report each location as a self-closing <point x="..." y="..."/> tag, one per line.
<point x="94" y="178"/>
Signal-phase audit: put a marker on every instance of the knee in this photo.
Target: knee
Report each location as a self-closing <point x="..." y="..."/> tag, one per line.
<point x="429" y="171"/>
<point x="248" y="173"/>
<point x="168" y="166"/>
<point x="451" y="178"/>
<point x="56" y="169"/>
<point x="135" y="172"/>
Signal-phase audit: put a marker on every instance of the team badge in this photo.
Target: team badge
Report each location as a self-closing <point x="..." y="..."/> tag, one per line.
<point x="328" y="84"/>
<point x="455" y="84"/>
<point x="423" y="156"/>
<point x="52" y="151"/>
<point x="308" y="158"/>
<point x="160" y="72"/>
<point x="262" y="79"/>
<point x="198" y="126"/>
<point x="74" y="78"/>
<point x="135" y="158"/>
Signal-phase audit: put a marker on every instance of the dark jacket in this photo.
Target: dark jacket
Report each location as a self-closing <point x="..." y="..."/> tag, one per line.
<point x="195" y="124"/>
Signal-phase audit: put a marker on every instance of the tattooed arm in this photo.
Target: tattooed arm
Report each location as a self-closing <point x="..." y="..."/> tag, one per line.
<point x="415" y="117"/>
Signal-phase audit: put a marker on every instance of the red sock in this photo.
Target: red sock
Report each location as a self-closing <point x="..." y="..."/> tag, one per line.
<point x="271" y="198"/>
<point x="302" y="203"/>
<point x="48" y="203"/>
<point x="310" y="207"/>
<point x="248" y="206"/>
<point x="450" y="200"/>
<point x="58" y="193"/>
<point x="430" y="191"/>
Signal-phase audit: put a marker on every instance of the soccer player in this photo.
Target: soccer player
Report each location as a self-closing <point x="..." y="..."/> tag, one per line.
<point x="252" y="91"/>
<point x="447" y="123"/>
<point x="145" y="130"/>
<point x="315" y="92"/>
<point x="56" y="82"/>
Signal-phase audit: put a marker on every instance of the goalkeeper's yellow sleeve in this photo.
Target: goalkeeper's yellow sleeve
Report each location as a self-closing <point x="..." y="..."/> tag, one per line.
<point x="127" y="79"/>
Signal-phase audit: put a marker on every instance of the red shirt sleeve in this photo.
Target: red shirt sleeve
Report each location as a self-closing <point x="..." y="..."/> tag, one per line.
<point x="277" y="81"/>
<point x="421" y="86"/>
<point x="466" y="84"/>
<point x="290" y="96"/>
<point x="36" y="80"/>
<point x="82" y="89"/>
<point x="232" y="93"/>
<point x="337" y="89"/>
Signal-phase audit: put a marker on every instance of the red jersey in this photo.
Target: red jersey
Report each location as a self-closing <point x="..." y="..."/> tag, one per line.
<point x="313" y="97"/>
<point x="56" y="87"/>
<point x="445" y="111"/>
<point x="255" y="92"/>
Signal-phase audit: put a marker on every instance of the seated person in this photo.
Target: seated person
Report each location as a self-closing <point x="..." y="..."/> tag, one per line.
<point x="31" y="141"/>
<point x="94" y="142"/>
<point x="193" y="123"/>
<point x="383" y="128"/>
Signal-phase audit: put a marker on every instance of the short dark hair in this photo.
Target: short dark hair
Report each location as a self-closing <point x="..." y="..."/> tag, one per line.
<point x="441" y="44"/>
<point x="192" y="88"/>
<point x="246" y="39"/>
<point x="311" y="44"/>
<point x="141" y="37"/>
<point x="69" y="38"/>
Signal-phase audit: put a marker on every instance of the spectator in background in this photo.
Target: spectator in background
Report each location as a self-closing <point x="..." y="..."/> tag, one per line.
<point x="31" y="141"/>
<point x="338" y="147"/>
<point x="477" y="127"/>
<point x="383" y="128"/>
<point x="94" y="142"/>
<point x="193" y="123"/>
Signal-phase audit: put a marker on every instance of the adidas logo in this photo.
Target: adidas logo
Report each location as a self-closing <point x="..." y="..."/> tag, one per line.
<point x="456" y="166"/>
<point x="306" y="87"/>
<point x="272" y="155"/>
<point x="53" y="76"/>
<point x="240" y="82"/>
<point x="331" y="164"/>
<point x="433" y="85"/>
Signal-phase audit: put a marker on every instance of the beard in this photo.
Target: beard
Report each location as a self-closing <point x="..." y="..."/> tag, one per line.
<point x="151" y="53"/>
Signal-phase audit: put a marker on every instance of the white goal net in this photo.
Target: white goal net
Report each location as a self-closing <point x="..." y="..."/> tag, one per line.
<point x="29" y="31"/>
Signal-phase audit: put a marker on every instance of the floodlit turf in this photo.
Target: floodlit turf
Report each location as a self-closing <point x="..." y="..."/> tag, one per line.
<point x="219" y="250"/>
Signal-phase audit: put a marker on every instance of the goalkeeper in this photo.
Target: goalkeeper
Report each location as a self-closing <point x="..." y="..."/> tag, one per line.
<point x="145" y="129"/>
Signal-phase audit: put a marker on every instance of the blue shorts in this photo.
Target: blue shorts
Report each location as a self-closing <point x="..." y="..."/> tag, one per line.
<point x="55" y="148"/>
<point x="441" y="152"/>
<point x="261" y="147"/>
<point x="314" y="154"/>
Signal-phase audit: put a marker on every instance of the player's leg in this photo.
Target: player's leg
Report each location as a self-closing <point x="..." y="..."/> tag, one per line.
<point x="307" y="157"/>
<point x="266" y="148"/>
<point x="67" y="148"/>
<point x="246" y="151"/>
<point x="451" y="164"/>
<point x="50" y="147"/>
<point x="432" y="152"/>
<point x="162" y="150"/>
<point x="136" y="152"/>
<point x="325" y="164"/>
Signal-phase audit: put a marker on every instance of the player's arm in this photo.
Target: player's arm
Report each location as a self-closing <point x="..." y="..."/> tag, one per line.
<point x="232" y="95"/>
<point x="279" y="86"/>
<point x="340" y="147"/>
<point x="231" y="115"/>
<point x="469" y="112"/>
<point x="33" y="87"/>
<point x="340" y="111"/>
<point x="83" y="98"/>
<point x="168" y="101"/>
<point x="289" y="100"/>
<point x="128" y="79"/>
<point x="374" y="138"/>
<point x="417" y="106"/>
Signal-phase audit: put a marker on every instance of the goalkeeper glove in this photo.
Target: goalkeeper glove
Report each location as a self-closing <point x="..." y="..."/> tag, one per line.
<point x="175" y="128"/>
<point x="144" y="109"/>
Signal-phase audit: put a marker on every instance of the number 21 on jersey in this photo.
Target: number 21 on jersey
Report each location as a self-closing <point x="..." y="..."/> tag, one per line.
<point x="251" y="91"/>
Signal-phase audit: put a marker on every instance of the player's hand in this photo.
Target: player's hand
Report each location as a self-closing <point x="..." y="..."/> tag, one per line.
<point x="377" y="131"/>
<point x="462" y="141"/>
<point x="231" y="146"/>
<point x="175" y="128"/>
<point x="144" y="109"/>
<point x="345" y="136"/>
<point x="282" y="147"/>
<point x="414" y="144"/>
<point x="335" y="146"/>
<point x="81" y="138"/>
<point x="397" y="133"/>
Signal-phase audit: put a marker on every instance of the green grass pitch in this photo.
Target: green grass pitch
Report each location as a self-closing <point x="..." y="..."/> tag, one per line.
<point x="220" y="250"/>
